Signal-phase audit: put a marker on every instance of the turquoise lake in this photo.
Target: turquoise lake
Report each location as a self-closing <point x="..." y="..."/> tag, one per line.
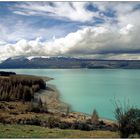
<point x="88" y="89"/>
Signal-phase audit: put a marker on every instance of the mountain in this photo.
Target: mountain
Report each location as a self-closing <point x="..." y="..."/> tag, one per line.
<point x="17" y="62"/>
<point x="67" y="62"/>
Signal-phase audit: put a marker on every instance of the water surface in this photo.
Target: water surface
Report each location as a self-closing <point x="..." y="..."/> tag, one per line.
<point x="88" y="89"/>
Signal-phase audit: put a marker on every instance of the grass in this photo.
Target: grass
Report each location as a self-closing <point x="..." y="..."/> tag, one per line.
<point x="29" y="131"/>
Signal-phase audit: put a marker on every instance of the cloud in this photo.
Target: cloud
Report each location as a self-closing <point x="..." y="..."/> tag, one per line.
<point x="126" y="29"/>
<point x="88" y="41"/>
<point x="2" y="42"/>
<point x="75" y="11"/>
<point x="111" y="13"/>
<point x="115" y="38"/>
<point x="14" y="29"/>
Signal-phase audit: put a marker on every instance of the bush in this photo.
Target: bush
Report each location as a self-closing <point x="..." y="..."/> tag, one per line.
<point x="4" y="73"/>
<point x="53" y="122"/>
<point x="128" y="121"/>
<point x="31" y="121"/>
<point x="64" y="125"/>
<point x="81" y="126"/>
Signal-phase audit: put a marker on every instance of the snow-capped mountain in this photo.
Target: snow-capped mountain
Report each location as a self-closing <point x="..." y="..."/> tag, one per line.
<point x="66" y="62"/>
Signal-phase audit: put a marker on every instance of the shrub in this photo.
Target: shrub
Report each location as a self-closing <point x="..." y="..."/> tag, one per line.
<point x="4" y="73"/>
<point x="81" y="126"/>
<point x="64" y="125"/>
<point x="53" y="122"/>
<point x="31" y="121"/>
<point x="128" y="121"/>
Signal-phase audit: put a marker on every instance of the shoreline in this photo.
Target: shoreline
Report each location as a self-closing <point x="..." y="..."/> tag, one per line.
<point x="51" y="97"/>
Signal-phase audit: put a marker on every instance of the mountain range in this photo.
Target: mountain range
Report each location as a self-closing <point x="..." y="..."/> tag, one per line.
<point x="67" y="62"/>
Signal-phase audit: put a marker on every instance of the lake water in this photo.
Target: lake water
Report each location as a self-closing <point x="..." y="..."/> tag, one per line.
<point x="88" y="89"/>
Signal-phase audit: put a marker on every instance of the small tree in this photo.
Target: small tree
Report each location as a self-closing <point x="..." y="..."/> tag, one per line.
<point x="94" y="117"/>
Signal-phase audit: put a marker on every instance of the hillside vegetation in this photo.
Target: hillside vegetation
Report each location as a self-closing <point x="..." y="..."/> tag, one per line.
<point x="19" y="87"/>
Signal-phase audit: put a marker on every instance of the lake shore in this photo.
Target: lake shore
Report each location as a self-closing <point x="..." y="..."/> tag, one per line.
<point x="51" y="96"/>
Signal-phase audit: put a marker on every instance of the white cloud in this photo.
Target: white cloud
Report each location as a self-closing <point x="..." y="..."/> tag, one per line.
<point x="89" y="41"/>
<point x="127" y="29"/>
<point x="75" y="11"/>
<point x="2" y="42"/>
<point x="13" y="29"/>
<point x="118" y="40"/>
<point x="124" y="12"/>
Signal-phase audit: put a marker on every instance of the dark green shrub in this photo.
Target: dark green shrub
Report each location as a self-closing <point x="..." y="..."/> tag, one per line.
<point x="81" y="126"/>
<point x="4" y="73"/>
<point x="64" y="125"/>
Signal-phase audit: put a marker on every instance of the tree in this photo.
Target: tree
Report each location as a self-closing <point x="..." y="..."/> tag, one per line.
<point x="95" y="117"/>
<point x="20" y="87"/>
<point x="27" y="94"/>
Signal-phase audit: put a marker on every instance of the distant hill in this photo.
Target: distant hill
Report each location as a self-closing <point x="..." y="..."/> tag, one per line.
<point x="65" y="62"/>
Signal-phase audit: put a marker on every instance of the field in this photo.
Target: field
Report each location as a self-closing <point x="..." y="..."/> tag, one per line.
<point x="29" y="131"/>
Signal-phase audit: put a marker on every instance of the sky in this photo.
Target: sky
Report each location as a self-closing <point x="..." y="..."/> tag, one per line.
<point x="98" y="30"/>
